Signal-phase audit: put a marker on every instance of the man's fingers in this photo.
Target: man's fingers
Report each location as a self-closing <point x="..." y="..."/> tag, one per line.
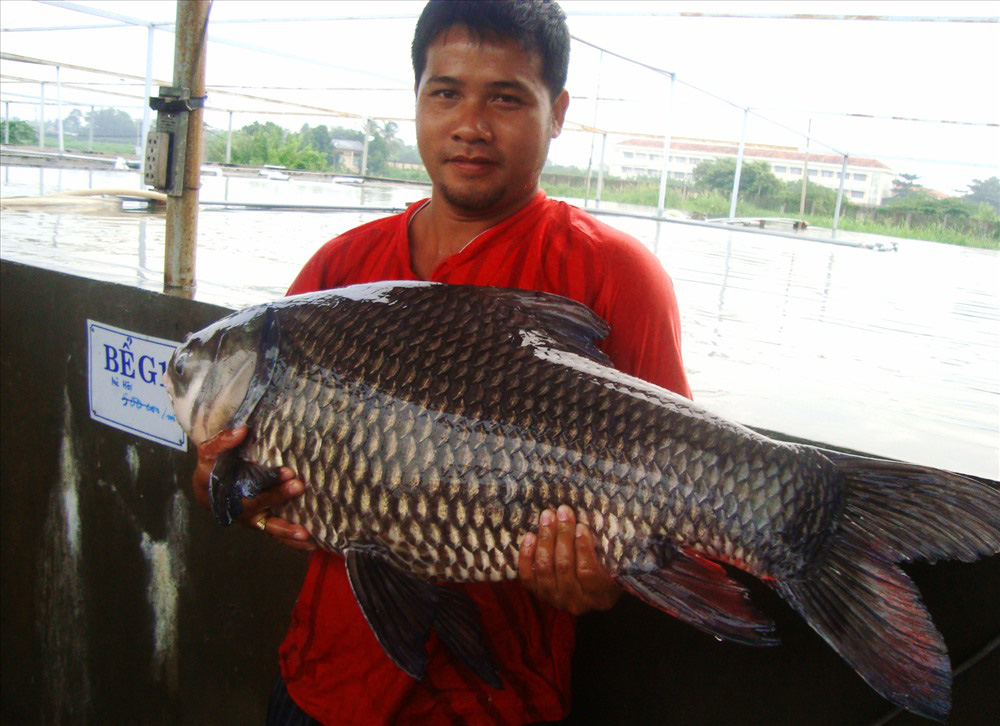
<point x="565" y="550"/>
<point x="275" y="496"/>
<point x="588" y="570"/>
<point x="290" y="535"/>
<point x="222" y="441"/>
<point x="544" y="566"/>
<point x="599" y="589"/>
<point x="526" y="561"/>
<point x="208" y="452"/>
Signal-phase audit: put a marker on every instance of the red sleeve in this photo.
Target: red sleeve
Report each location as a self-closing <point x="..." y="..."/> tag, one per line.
<point x="638" y="302"/>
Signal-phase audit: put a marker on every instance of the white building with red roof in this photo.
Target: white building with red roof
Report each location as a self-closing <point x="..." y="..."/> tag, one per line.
<point x="868" y="181"/>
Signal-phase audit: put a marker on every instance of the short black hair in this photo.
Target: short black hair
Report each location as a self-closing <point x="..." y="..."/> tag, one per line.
<point x="536" y="25"/>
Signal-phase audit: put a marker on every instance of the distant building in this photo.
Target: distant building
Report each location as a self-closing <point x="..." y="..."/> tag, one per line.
<point x="868" y="181"/>
<point x="347" y="154"/>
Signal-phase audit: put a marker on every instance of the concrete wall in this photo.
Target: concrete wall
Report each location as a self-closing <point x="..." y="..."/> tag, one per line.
<point x="123" y="603"/>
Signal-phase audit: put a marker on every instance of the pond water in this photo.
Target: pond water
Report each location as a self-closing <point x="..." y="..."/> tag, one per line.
<point x="892" y="353"/>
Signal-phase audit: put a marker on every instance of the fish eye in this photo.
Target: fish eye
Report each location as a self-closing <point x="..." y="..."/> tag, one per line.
<point x="179" y="362"/>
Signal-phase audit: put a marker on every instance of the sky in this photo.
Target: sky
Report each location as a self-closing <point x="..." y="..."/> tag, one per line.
<point x="843" y="78"/>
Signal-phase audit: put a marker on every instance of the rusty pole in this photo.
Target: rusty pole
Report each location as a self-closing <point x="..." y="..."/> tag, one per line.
<point x="182" y="212"/>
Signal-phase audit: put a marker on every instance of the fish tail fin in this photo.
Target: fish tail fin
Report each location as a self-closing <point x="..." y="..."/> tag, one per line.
<point x="863" y="604"/>
<point x="232" y="479"/>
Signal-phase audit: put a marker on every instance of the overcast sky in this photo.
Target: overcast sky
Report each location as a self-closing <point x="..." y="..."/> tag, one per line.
<point x="789" y="71"/>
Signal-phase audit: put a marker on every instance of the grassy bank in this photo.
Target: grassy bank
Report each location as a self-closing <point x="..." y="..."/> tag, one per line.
<point x="83" y="146"/>
<point x="714" y="205"/>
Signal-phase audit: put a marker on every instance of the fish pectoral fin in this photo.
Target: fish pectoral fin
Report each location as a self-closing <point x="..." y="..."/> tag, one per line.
<point x="699" y="592"/>
<point x="232" y="479"/>
<point x="398" y="606"/>
<point x="457" y="624"/>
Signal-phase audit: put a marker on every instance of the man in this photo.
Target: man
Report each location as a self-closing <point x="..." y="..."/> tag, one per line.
<point x="490" y="97"/>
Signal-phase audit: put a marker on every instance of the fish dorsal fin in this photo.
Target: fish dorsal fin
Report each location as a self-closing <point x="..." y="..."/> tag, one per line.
<point x="699" y="592"/>
<point x="267" y="356"/>
<point x="569" y="325"/>
<point x="398" y="606"/>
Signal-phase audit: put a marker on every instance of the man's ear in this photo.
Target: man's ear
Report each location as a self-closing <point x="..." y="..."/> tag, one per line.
<point x="559" y="107"/>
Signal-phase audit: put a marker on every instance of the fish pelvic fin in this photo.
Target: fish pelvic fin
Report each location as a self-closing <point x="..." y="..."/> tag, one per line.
<point x="402" y="608"/>
<point x="701" y="593"/>
<point x="233" y="479"/>
<point x="863" y="604"/>
<point x="457" y="624"/>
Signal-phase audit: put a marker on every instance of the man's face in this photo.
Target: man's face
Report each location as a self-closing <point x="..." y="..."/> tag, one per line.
<point x="484" y="122"/>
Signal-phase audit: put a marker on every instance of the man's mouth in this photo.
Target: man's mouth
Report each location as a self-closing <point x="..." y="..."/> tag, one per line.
<point x="472" y="165"/>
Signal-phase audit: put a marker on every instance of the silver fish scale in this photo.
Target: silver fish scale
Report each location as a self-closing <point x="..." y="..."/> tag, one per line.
<point x="435" y="426"/>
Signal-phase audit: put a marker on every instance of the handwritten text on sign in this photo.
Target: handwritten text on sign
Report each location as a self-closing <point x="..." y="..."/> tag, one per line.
<point x="125" y="380"/>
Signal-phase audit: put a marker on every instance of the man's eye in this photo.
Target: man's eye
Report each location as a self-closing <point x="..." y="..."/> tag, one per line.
<point x="509" y="100"/>
<point x="445" y="93"/>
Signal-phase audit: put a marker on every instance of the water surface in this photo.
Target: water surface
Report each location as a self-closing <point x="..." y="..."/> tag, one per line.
<point x="893" y="353"/>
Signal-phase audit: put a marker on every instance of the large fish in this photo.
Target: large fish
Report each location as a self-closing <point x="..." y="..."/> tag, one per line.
<point x="432" y="424"/>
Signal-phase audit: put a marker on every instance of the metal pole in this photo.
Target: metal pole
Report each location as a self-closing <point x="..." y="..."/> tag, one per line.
<point x="41" y="117"/>
<point x="364" y="150"/>
<point x="229" y="140"/>
<point x="182" y="212"/>
<point x="147" y="92"/>
<point x="6" y="126"/>
<point x="59" y="122"/>
<point x="90" y="129"/>
<point x="600" y="170"/>
<point x="739" y="165"/>
<point x="593" y="134"/>
<point x="840" y="196"/>
<point x="805" y="171"/>
<point x="665" y="170"/>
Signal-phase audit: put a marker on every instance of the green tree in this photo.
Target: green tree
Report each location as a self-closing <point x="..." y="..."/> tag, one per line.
<point x="110" y="124"/>
<point x="407" y="154"/>
<point x="985" y="191"/>
<point x="73" y="123"/>
<point x="906" y="185"/>
<point x="21" y="132"/>
<point x="268" y="143"/>
<point x="757" y="181"/>
<point x="318" y="139"/>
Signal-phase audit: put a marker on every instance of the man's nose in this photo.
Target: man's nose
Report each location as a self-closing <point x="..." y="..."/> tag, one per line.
<point x="472" y="124"/>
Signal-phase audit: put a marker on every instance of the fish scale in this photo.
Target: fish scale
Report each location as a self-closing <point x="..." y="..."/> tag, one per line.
<point x="432" y="424"/>
<point x="534" y="434"/>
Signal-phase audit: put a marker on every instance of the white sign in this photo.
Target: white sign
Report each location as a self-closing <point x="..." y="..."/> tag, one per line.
<point x="125" y="379"/>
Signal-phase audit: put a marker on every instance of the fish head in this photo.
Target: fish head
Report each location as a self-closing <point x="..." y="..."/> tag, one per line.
<point x="210" y="373"/>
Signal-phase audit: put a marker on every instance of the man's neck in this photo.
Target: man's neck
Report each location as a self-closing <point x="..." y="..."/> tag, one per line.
<point x="438" y="232"/>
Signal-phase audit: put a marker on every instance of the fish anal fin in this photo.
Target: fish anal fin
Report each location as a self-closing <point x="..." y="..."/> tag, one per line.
<point x="457" y="624"/>
<point x="234" y="478"/>
<point x="701" y="593"/>
<point x="398" y="606"/>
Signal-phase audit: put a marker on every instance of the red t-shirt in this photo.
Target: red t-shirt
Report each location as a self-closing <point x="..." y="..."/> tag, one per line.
<point x="332" y="664"/>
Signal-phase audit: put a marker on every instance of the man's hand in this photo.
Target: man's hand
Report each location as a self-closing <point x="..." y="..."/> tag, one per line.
<point x="291" y="535"/>
<point x="559" y="565"/>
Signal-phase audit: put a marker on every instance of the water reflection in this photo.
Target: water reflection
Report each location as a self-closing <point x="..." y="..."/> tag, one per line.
<point x="897" y="353"/>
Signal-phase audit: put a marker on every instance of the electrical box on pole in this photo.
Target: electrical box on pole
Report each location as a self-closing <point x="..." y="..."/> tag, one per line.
<point x="166" y="144"/>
